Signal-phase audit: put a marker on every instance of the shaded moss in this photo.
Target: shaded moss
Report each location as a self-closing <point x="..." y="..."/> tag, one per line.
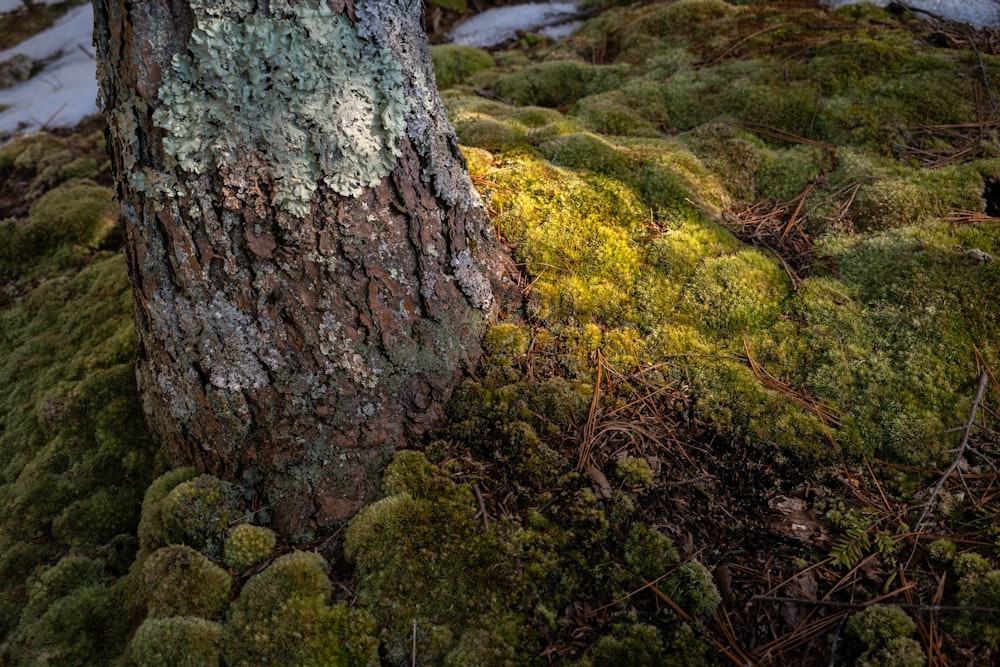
<point x="180" y="581"/>
<point x="248" y="545"/>
<point x="885" y="635"/>
<point x="648" y="553"/>
<point x="693" y="588"/>
<point x="153" y="531"/>
<point x="633" y="471"/>
<point x="180" y="641"/>
<point x="199" y="512"/>
<point x="421" y="554"/>
<point x="979" y="590"/>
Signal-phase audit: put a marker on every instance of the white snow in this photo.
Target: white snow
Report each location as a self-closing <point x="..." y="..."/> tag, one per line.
<point x="495" y="26"/>
<point x="63" y="93"/>
<point x="7" y="6"/>
<point x="979" y="13"/>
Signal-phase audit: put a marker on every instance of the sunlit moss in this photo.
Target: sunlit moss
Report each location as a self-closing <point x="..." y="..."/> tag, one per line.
<point x="453" y="64"/>
<point x="283" y="617"/>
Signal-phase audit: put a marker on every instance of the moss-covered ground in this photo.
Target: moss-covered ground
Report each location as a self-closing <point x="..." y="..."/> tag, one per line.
<point x="746" y="416"/>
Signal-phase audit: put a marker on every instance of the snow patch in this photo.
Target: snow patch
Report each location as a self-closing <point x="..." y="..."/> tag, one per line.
<point x="65" y="91"/>
<point x="495" y="26"/>
<point x="978" y="13"/>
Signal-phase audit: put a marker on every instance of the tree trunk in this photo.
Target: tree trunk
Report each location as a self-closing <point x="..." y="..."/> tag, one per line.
<point x="311" y="268"/>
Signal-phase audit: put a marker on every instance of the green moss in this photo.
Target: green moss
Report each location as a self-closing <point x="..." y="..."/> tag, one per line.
<point x="880" y="623"/>
<point x="640" y="644"/>
<point x="199" y="511"/>
<point x="183" y="582"/>
<point x="153" y="530"/>
<point x="693" y="588"/>
<point x="633" y="472"/>
<point x="585" y="151"/>
<point x="80" y="627"/>
<point x="454" y="64"/>
<point x="62" y="227"/>
<point x="555" y="83"/>
<point x="736" y="293"/>
<point x="885" y="633"/>
<point x="969" y="564"/>
<point x="421" y="553"/>
<point x="609" y="113"/>
<point x="283" y="617"/>
<point x="979" y="589"/>
<point x="181" y="641"/>
<point x="942" y="551"/>
<point x="648" y="553"/>
<point x="248" y="545"/>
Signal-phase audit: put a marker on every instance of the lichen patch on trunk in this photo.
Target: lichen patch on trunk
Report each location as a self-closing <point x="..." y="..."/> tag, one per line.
<point x="299" y="90"/>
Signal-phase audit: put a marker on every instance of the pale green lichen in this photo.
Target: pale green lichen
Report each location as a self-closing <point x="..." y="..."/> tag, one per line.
<point x="303" y="101"/>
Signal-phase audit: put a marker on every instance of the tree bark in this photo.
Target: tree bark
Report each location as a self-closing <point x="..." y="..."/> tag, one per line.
<point x="311" y="267"/>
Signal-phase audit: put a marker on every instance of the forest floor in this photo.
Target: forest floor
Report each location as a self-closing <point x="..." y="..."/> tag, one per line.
<point x="748" y="416"/>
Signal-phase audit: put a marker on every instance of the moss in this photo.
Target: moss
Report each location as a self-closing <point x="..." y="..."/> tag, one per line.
<point x="554" y="83"/>
<point x="693" y="588"/>
<point x="633" y="472"/>
<point x="609" y="113"/>
<point x="506" y="343"/>
<point x="421" y="553"/>
<point x="199" y="511"/>
<point x="648" y="553"/>
<point x="942" y="551"/>
<point x="183" y="641"/>
<point x="153" y="530"/>
<point x="183" y="582"/>
<point x="585" y="151"/>
<point x="82" y="627"/>
<point x="736" y="293"/>
<point x="631" y="643"/>
<point x="969" y="564"/>
<point x="979" y="589"/>
<point x="62" y="226"/>
<point x="884" y="633"/>
<point x="880" y="623"/>
<point x="247" y="545"/>
<point x="484" y="132"/>
<point x="283" y="617"/>
<point x="454" y="64"/>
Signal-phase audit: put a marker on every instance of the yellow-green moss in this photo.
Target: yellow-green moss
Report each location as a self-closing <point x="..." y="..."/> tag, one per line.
<point x="248" y="545"/>
<point x="453" y="63"/>
<point x="693" y="588"/>
<point x="180" y="581"/>
<point x="736" y="293"/>
<point x="283" y="617"/>
<point x="979" y="590"/>
<point x="179" y="641"/>
<point x="555" y="83"/>
<point x="633" y="471"/>
<point x="885" y="632"/>
<point x="199" y="511"/>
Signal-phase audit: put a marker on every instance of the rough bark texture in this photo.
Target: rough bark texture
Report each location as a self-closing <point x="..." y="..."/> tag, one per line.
<point x="302" y="310"/>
